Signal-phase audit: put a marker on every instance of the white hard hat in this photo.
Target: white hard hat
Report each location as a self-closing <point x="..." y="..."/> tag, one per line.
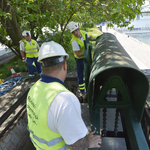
<point x="51" y="49"/>
<point x="73" y="26"/>
<point x="26" y="33"/>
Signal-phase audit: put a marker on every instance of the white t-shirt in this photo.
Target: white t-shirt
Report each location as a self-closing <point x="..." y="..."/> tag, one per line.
<point x="64" y="117"/>
<point x="75" y="45"/>
<point x="22" y="45"/>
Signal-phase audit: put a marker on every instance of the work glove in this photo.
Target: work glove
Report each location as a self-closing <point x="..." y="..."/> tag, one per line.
<point x="24" y="59"/>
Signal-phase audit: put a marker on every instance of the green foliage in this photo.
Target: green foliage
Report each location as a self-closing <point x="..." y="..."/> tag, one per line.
<point x="36" y="14"/>
<point x="44" y="38"/>
<point x="87" y="25"/>
<point x="66" y="45"/>
<point x="33" y="15"/>
<point x="16" y="64"/>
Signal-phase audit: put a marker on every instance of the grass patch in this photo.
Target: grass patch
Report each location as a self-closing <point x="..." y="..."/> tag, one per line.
<point x="16" y="63"/>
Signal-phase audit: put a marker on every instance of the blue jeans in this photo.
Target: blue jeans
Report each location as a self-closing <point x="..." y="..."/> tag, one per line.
<point x="31" y="68"/>
<point x="80" y="72"/>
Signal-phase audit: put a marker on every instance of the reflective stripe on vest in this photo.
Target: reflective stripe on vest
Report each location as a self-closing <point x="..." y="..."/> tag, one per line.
<point x="38" y="104"/>
<point x="65" y="147"/>
<point x="80" y="42"/>
<point x="36" y="144"/>
<point x="49" y="143"/>
<point x="30" y="50"/>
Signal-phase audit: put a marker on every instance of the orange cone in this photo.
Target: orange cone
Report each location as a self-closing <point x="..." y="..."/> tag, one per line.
<point x="14" y="74"/>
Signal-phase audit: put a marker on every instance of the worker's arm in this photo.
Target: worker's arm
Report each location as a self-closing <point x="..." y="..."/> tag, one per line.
<point x="90" y="141"/>
<point x="23" y="56"/>
<point x="79" y="53"/>
<point x="80" y="144"/>
<point x="22" y="53"/>
<point x="22" y="49"/>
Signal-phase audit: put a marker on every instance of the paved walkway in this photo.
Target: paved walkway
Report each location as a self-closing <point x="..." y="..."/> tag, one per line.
<point x="138" y="50"/>
<point x="6" y="57"/>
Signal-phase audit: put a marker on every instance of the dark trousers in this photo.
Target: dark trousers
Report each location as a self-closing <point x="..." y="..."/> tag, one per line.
<point x="31" y="68"/>
<point x="80" y="72"/>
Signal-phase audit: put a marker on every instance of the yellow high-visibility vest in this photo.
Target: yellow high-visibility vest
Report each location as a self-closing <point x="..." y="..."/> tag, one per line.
<point x="37" y="108"/>
<point x="80" y="42"/>
<point x="30" y="50"/>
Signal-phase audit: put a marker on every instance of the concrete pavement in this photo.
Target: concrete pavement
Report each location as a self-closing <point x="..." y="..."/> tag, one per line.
<point x="138" y="50"/>
<point x="5" y="54"/>
<point x="6" y="57"/>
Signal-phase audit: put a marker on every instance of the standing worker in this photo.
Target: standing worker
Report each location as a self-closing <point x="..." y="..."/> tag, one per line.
<point x="29" y="52"/>
<point x="54" y="113"/>
<point x="77" y="42"/>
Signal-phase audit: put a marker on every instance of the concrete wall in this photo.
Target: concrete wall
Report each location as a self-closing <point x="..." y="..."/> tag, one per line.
<point x="17" y="137"/>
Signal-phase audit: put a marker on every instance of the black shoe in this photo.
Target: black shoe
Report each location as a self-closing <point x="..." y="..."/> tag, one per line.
<point x="84" y="96"/>
<point x="83" y="93"/>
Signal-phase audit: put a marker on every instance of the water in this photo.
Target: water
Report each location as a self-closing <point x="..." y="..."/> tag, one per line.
<point x="144" y="37"/>
<point x="143" y="22"/>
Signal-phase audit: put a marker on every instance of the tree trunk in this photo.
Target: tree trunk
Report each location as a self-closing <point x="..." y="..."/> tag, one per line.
<point x="12" y="27"/>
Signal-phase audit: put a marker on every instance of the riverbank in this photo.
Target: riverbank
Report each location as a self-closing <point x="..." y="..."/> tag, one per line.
<point x="138" y="50"/>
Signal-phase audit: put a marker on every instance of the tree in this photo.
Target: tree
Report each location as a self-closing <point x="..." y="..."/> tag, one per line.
<point x="9" y="27"/>
<point x="18" y="15"/>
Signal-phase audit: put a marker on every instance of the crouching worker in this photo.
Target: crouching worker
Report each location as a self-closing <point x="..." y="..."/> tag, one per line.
<point x="54" y="113"/>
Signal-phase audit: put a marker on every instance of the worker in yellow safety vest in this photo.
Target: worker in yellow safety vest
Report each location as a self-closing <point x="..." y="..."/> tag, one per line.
<point x="54" y="113"/>
<point x="77" y="42"/>
<point x="29" y="52"/>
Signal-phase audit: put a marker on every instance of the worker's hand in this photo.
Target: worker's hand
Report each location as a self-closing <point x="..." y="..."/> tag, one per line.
<point x="24" y="59"/>
<point x="95" y="38"/>
<point x="95" y="140"/>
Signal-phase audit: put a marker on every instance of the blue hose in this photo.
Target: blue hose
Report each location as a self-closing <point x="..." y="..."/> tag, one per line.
<point x="6" y="86"/>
